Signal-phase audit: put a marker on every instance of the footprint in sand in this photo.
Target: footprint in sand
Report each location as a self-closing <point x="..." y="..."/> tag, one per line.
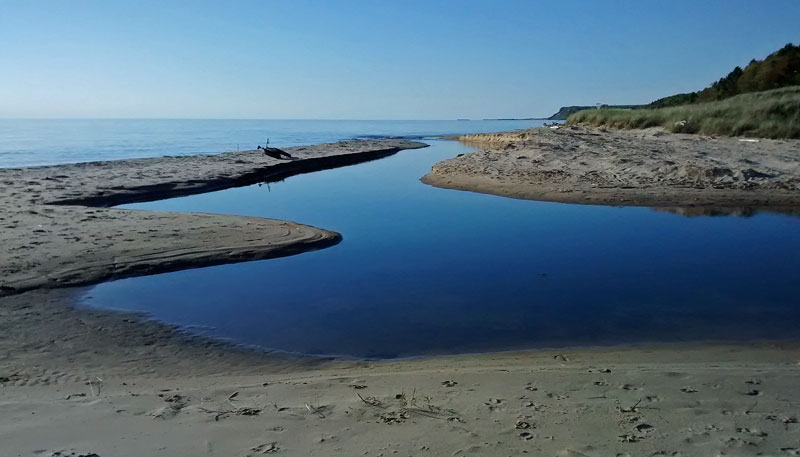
<point x="738" y="442"/>
<point x="175" y="403"/>
<point x="263" y="449"/>
<point x="495" y="403"/>
<point x="536" y="407"/>
<point x="751" y="437"/>
<point x="557" y="396"/>
<point x="393" y="417"/>
<point x="752" y="432"/>
<point x="628" y="438"/>
<point x="327" y="439"/>
<point x="523" y="423"/>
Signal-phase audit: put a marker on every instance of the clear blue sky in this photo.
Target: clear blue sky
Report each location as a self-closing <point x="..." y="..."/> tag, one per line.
<point x="370" y="59"/>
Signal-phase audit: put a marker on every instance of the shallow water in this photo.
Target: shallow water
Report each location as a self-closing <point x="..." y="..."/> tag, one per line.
<point x="423" y="270"/>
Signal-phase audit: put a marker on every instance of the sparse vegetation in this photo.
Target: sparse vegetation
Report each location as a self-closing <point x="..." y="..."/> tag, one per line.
<point x="767" y="114"/>
<point x="761" y="100"/>
<point x="567" y="111"/>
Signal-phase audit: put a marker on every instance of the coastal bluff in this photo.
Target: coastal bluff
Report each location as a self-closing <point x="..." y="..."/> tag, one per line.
<point x="59" y="231"/>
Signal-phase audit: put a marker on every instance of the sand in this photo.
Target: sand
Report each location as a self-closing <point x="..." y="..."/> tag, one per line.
<point x="51" y="238"/>
<point x="110" y="391"/>
<point x="82" y="382"/>
<point x="112" y="384"/>
<point x="629" y="167"/>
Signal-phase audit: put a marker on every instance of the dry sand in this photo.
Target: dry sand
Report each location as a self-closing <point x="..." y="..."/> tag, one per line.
<point x="97" y="383"/>
<point x="52" y="239"/>
<point x="628" y="167"/>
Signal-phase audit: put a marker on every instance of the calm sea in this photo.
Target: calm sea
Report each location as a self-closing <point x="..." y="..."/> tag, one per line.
<point x="48" y="142"/>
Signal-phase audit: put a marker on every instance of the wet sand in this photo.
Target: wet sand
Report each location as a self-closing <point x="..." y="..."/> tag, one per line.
<point x="628" y="167"/>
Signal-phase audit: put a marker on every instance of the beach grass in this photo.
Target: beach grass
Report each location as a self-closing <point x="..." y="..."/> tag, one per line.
<point x="767" y="114"/>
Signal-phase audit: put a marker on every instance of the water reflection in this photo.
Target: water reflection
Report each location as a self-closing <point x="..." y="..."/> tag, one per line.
<point x="713" y="211"/>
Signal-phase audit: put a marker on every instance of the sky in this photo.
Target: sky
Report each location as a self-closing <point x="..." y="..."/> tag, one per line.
<point x="377" y="59"/>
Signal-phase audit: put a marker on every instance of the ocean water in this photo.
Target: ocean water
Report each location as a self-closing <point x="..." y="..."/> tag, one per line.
<point x="31" y="142"/>
<point x="423" y="270"/>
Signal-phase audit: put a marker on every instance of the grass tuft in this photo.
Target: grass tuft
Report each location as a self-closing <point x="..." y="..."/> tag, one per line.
<point x="767" y="114"/>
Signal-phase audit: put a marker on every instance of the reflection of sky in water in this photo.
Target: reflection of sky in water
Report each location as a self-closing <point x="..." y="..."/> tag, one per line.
<point x="424" y="270"/>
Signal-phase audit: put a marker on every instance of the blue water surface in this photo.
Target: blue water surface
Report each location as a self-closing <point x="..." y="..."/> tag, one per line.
<point x="29" y="142"/>
<point x="423" y="270"/>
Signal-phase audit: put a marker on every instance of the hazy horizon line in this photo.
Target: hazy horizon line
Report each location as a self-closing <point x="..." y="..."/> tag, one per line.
<point x="250" y="119"/>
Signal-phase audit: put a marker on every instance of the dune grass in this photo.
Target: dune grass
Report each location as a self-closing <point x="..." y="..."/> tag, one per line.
<point x="767" y="114"/>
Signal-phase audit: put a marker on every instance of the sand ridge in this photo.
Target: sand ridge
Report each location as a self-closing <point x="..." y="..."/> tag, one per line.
<point x="628" y="167"/>
<point x="51" y="238"/>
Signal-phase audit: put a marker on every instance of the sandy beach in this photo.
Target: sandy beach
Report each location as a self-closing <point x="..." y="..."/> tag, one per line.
<point x="629" y="167"/>
<point x="80" y="382"/>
